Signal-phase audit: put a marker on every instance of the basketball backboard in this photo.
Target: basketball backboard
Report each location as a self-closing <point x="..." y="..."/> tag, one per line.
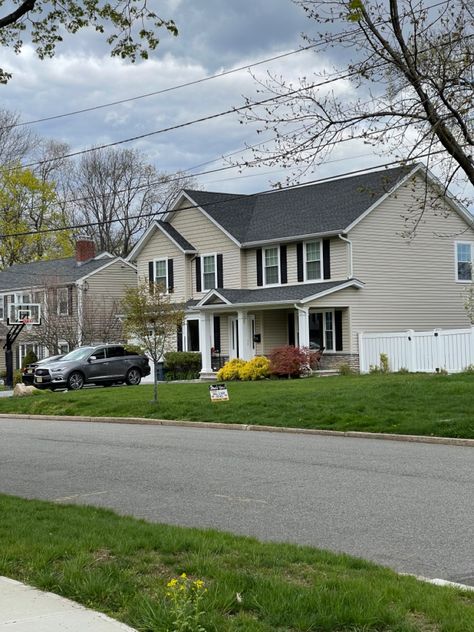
<point x="24" y="313"/>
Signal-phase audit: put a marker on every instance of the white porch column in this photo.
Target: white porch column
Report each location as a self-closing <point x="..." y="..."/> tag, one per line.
<point x="245" y="351"/>
<point x="205" y="320"/>
<point x="303" y="326"/>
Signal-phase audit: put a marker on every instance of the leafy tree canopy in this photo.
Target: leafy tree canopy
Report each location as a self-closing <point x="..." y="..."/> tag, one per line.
<point x="129" y="26"/>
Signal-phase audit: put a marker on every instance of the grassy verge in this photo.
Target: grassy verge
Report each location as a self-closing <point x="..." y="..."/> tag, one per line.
<point x="405" y="404"/>
<point x="121" y="566"/>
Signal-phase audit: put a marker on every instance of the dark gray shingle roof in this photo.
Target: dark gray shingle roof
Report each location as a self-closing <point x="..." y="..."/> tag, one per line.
<point x="37" y="273"/>
<point x="177" y="237"/>
<point x="283" y="293"/>
<point x="311" y="209"/>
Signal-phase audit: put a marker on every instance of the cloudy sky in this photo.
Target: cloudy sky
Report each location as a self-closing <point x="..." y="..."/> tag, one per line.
<point x="214" y="36"/>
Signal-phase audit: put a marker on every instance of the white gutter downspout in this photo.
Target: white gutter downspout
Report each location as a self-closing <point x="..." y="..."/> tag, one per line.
<point x="80" y="311"/>
<point x="348" y="241"/>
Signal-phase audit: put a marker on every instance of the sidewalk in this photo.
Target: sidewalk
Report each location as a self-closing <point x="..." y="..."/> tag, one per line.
<point x="26" y="609"/>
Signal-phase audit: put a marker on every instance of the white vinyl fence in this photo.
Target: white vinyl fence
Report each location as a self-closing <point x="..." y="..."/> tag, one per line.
<point x="424" y="351"/>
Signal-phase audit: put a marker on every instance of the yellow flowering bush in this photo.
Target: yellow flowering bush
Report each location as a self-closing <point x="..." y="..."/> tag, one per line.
<point x="185" y="596"/>
<point x="231" y="370"/>
<point x="257" y="368"/>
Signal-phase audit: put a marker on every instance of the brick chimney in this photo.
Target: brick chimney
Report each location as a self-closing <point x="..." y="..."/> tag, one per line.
<point x="85" y="249"/>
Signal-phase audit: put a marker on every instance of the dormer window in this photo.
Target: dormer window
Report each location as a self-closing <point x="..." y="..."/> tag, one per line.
<point x="271" y="266"/>
<point x="313" y="271"/>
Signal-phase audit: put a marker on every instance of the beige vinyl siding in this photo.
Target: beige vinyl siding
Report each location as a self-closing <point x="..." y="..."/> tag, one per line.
<point x="339" y="259"/>
<point x="409" y="284"/>
<point x="251" y="268"/>
<point x="159" y="246"/>
<point x="102" y="298"/>
<point x="274" y="329"/>
<point x="207" y="238"/>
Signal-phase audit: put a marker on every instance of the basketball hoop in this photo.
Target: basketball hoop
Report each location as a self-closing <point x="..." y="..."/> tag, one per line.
<point x="28" y="322"/>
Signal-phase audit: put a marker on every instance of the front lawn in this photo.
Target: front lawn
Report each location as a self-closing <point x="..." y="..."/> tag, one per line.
<point x="419" y="404"/>
<point x="122" y="566"/>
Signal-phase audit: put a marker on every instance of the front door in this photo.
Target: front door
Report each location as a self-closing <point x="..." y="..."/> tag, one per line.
<point x="233" y="337"/>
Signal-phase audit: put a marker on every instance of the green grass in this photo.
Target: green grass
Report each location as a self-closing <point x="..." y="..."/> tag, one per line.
<point x="439" y="405"/>
<point x="121" y="566"/>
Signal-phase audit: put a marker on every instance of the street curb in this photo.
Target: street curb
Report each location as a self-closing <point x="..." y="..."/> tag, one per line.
<point x="248" y="427"/>
<point x="439" y="582"/>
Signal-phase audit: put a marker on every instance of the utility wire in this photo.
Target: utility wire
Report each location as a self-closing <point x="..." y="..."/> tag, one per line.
<point x="233" y="198"/>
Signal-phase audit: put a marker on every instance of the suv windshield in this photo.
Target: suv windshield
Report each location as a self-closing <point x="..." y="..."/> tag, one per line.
<point x="78" y="354"/>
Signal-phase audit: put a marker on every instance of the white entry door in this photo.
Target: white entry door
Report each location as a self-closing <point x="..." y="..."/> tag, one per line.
<point x="236" y="349"/>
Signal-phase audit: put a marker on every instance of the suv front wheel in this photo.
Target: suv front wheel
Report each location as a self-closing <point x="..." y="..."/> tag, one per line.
<point x="75" y="381"/>
<point x="133" y="377"/>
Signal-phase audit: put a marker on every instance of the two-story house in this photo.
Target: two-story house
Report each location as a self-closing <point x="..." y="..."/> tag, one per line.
<point x="79" y="301"/>
<point x="312" y="265"/>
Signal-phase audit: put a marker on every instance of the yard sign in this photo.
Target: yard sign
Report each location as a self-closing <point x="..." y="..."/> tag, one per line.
<point x="218" y="392"/>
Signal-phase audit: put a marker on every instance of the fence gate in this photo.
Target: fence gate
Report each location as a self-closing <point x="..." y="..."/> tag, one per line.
<point x="421" y="351"/>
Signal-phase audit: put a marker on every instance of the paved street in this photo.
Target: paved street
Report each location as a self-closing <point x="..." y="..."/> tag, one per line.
<point x="408" y="506"/>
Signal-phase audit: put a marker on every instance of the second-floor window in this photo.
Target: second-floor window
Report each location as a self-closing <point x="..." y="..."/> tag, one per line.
<point x="63" y="301"/>
<point x="464" y="261"/>
<point x="271" y="267"/>
<point x="209" y="272"/>
<point x="161" y="273"/>
<point x="313" y="260"/>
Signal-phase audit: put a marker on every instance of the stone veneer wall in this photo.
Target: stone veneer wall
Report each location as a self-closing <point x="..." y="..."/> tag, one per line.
<point x="331" y="361"/>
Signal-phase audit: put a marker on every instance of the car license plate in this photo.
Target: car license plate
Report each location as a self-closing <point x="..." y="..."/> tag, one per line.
<point x="30" y="370"/>
<point x="39" y="379"/>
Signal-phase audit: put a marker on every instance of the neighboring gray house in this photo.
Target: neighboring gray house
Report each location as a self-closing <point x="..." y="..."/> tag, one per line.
<point x="80" y="300"/>
<point x="312" y="265"/>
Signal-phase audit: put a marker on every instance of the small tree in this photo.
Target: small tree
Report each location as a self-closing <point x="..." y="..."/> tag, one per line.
<point x="151" y="320"/>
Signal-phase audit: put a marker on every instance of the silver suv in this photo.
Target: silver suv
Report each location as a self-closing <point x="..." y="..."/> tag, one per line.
<point x="102" y="364"/>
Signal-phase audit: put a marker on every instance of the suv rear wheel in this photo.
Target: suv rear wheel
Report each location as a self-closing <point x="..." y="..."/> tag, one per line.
<point x="75" y="381"/>
<point x="133" y="377"/>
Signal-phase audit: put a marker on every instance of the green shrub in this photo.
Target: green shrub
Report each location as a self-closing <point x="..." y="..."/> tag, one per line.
<point x="257" y="368"/>
<point x="134" y="349"/>
<point x="17" y="377"/>
<point x="345" y="369"/>
<point x="231" y="370"/>
<point x="29" y="358"/>
<point x="468" y="369"/>
<point x="383" y="367"/>
<point x="182" y="365"/>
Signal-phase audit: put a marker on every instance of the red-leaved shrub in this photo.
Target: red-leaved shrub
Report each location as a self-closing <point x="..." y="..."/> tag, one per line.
<point x="291" y="361"/>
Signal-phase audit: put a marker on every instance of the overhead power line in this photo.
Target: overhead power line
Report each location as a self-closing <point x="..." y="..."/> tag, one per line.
<point x="155" y="214"/>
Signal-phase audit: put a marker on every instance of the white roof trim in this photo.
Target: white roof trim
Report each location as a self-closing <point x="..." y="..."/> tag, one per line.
<point x="147" y="235"/>
<point x="201" y="305"/>
<point x="105" y="266"/>
<point x="282" y="240"/>
<point x="351" y="283"/>
<point x="104" y="255"/>
<point x="211" y="293"/>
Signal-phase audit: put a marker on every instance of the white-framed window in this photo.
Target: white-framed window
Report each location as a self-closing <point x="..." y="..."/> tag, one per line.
<point x="208" y="272"/>
<point x="313" y="266"/>
<point x="3" y="314"/>
<point x="321" y="330"/>
<point x="22" y="299"/>
<point x="62" y="299"/>
<point x="271" y="265"/>
<point x="464" y="261"/>
<point x="161" y="273"/>
<point x="63" y="348"/>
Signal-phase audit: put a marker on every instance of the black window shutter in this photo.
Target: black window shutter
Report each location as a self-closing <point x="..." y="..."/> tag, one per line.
<point x="259" y="267"/>
<point x="5" y="307"/>
<point x="170" y="275"/>
<point x="338" y="329"/>
<point x="198" y="274"/>
<point x="220" y="271"/>
<point x="283" y="265"/>
<point x="151" y="276"/>
<point x="327" y="258"/>
<point x="291" y="329"/>
<point x="69" y="300"/>
<point x="179" y="338"/>
<point x="217" y="334"/>
<point x="299" y="261"/>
